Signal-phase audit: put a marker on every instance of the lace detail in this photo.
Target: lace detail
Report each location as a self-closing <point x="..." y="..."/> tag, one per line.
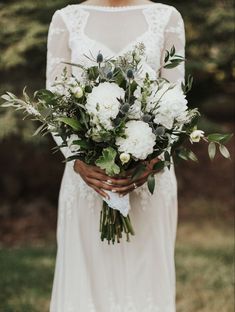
<point x="156" y="16"/>
<point x="54" y="61"/>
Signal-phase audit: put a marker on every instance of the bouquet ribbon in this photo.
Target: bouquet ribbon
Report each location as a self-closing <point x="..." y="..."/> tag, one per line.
<point x="116" y="202"/>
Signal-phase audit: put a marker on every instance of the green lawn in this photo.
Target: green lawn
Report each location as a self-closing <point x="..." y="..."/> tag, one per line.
<point x="204" y="259"/>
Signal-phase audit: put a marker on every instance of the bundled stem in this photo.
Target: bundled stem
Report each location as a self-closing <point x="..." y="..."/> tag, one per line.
<point x="113" y="224"/>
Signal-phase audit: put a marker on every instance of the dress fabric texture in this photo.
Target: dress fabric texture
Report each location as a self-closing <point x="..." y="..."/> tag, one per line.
<point x="90" y="275"/>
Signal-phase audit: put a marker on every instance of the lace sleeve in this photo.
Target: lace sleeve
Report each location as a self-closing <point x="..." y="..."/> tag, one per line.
<point x="57" y="51"/>
<point x="174" y="35"/>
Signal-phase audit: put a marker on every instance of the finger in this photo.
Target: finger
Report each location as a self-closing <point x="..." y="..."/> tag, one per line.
<point x="98" y="176"/>
<point x="120" y="181"/>
<point x="101" y="185"/>
<point x="139" y="184"/>
<point x="98" y="190"/>
<point x="101" y="192"/>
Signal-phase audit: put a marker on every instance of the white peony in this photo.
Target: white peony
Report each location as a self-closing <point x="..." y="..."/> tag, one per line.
<point x="139" y="141"/>
<point x="172" y="106"/>
<point x="196" y="136"/>
<point x="102" y="103"/>
<point x="73" y="147"/>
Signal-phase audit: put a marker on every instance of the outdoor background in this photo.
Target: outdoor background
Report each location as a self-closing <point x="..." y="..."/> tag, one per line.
<point x="30" y="174"/>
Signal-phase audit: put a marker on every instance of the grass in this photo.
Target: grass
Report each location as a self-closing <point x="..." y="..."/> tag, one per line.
<point x="204" y="260"/>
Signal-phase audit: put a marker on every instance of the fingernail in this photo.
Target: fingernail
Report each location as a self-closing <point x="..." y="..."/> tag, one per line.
<point x="109" y="181"/>
<point x="120" y="195"/>
<point x="114" y="191"/>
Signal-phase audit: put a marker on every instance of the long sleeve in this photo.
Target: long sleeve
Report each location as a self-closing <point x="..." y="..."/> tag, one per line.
<point x="174" y="35"/>
<point x="57" y="51"/>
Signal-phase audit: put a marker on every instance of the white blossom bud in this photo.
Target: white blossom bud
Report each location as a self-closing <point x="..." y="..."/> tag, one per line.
<point x="196" y="136"/>
<point x="125" y="157"/>
<point x="78" y="92"/>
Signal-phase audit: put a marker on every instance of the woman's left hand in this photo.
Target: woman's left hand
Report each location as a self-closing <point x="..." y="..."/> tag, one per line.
<point x="133" y="184"/>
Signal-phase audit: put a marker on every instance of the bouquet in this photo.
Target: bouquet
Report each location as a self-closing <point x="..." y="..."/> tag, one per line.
<point x="118" y="115"/>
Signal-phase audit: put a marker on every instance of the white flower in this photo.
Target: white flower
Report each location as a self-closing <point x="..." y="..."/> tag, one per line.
<point x="124" y="157"/>
<point x="172" y="105"/>
<point x="196" y="136"/>
<point x="139" y="141"/>
<point x="73" y="147"/>
<point x="77" y="91"/>
<point x="102" y="103"/>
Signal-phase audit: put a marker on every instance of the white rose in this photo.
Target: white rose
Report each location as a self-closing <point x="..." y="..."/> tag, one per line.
<point x="73" y="147"/>
<point x="124" y="157"/>
<point x="102" y="103"/>
<point x="139" y="140"/>
<point x="196" y="136"/>
<point x="172" y="105"/>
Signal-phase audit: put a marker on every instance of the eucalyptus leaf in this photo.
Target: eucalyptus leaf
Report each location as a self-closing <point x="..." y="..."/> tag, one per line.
<point x="72" y="122"/>
<point x="192" y="156"/>
<point x="212" y="150"/>
<point x="138" y="171"/>
<point x="224" y="151"/>
<point x="220" y="138"/>
<point x="151" y="183"/>
<point x="159" y="165"/>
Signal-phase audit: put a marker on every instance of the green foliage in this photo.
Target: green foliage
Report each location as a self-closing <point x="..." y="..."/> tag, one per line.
<point x="107" y="161"/>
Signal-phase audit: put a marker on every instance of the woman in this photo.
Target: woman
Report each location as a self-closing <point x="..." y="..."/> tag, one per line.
<point x="91" y="276"/>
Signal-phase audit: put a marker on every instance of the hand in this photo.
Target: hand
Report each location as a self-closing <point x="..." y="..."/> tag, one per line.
<point x="98" y="179"/>
<point x="140" y="180"/>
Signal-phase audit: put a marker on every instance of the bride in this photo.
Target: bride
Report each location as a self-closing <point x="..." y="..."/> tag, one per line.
<point x="90" y="275"/>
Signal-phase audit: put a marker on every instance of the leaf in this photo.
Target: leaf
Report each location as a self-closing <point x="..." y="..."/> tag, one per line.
<point x="151" y="183"/>
<point x="217" y="137"/>
<point x="39" y="129"/>
<point x="212" y="150"/>
<point x="139" y="170"/>
<point x="107" y="161"/>
<point x="82" y="143"/>
<point x="159" y="165"/>
<point x="224" y="151"/>
<point x="72" y="122"/>
<point x="183" y="153"/>
<point x="192" y="156"/>
<point x="172" y="52"/>
<point x="6" y="97"/>
<point x="44" y="94"/>
<point x="167" y="56"/>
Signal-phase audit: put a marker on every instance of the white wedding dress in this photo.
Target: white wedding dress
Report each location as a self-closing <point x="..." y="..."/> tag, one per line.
<point x="90" y="275"/>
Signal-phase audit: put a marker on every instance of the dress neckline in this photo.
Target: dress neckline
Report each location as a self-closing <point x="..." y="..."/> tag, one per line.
<point x="115" y="8"/>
